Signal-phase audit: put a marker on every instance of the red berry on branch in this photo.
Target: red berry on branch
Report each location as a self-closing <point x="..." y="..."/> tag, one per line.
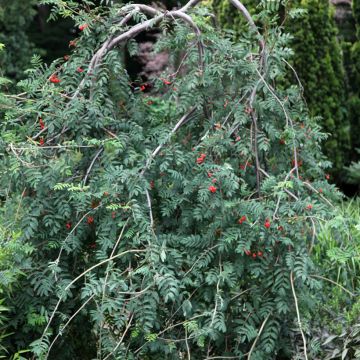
<point x="66" y="57"/>
<point x="280" y="228"/>
<point x="309" y="207"/>
<point x="83" y="27"/>
<point x="90" y="220"/>
<point x="242" y="219"/>
<point x="113" y="214"/>
<point x="80" y="70"/>
<point x="68" y="225"/>
<point x="201" y="159"/>
<point x="248" y="252"/>
<point x="54" y="79"/>
<point x="212" y="189"/>
<point x="254" y="255"/>
<point x="41" y="141"/>
<point x="320" y="190"/>
<point x="41" y="123"/>
<point x="327" y="176"/>
<point x="166" y="82"/>
<point x="259" y="253"/>
<point x="267" y="223"/>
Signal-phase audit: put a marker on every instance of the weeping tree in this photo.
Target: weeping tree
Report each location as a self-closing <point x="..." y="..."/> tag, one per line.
<point x="170" y="219"/>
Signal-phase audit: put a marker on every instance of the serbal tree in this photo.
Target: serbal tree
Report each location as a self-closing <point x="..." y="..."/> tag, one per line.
<point x="172" y="219"/>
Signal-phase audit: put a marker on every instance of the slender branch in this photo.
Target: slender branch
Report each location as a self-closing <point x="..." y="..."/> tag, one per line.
<point x="317" y="192"/>
<point x="172" y="132"/>
<point x="67" y="323"/>
<point x="298" y="315"/>
<point x="279" y="197"/>
<point x="80" y="276"/>
<point x="335" y="283"/>
<point x="187" y="345"/>
<point x="107" y="276"/>
<point x="286" y="190"/>
<point x="92" y="164"/>
<point x="122" y="337"/>
<point x="257" y="337"/>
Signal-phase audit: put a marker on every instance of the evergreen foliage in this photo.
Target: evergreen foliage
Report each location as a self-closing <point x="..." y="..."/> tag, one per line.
<point x="15" y="18"/>
<point x="171" y="219"/>
<point x="319" y="65"/>
<point x="355" y="80"/>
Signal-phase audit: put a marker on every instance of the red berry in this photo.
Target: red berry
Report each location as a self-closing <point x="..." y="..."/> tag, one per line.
<point x="280" y="228"/>
<point x="309" y="207"/>
<point x="41" y="123"/>
<point x="247" y="252"/>
<point x="72" y="43"/>
<point x="242" y="219"/>
<point x="254" y="255"/>
<point x="209" y="174"/>
<point x="90" y="220"/>
<point x="212" y="189"/>
<point x="66" y="57"/>
<point x="201" y="159"/>
<point x="113" y="214"/>
<point x="282" y="141"/>
<point x="327" y="176"/>
<point x="267" y="223"/>
<point x="259" y="253"/>
<point x="150" y="102"/>
<point x="68" y="225"/>
<point x="83" y="27"/>
<point x="54" y="79"/>
<point x="166" y="82"/>
<point x="106" y="193"/>
<point x="80" y="70"/>
<point x="41" y="141"/>
<point x="320" y="190"/>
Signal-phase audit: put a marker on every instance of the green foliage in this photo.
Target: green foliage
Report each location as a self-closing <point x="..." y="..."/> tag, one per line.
<point x="158" y="238"/>
<point x="337" y="253"/>
<point x="318" y="62"/>
<point x="15" y="18"/>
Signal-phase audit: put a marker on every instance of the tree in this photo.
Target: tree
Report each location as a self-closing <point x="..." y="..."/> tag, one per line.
<point x="318" y="63"/>
<point x="15" y="18"/>
<point x="171" y="219"/>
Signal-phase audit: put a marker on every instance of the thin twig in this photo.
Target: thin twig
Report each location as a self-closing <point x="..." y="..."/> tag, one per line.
<point x="335" y="283"/>
<point x="80" y="276"/>
<point x="92" y="164"/>
<point x="257" y="337"/>
<point x="157" y="150"/>
<point x="122" y="337"/>
<point x="298" y="315"/>
<point x="67" y="323"/>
